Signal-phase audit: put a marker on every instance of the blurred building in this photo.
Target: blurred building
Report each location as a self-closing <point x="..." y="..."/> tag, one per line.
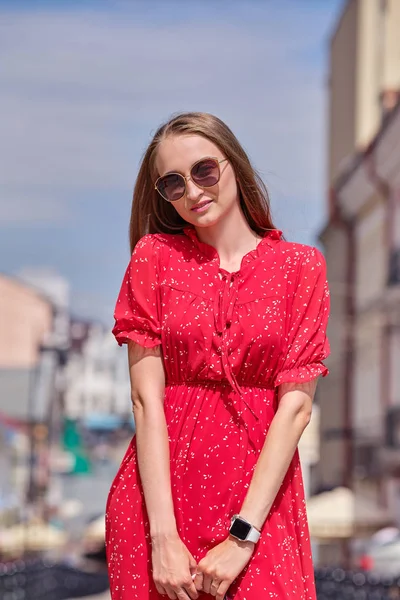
<point x="97" y="378"/>
<point x="98" y="420"/>
<point x="26" y="320"/>
<point x="364" y="77"/>
<point x="362" y="246"/>
<point x="33" y="345"/>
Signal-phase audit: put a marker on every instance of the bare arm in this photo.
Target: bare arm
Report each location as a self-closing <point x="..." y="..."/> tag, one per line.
<point x="147" y="392"/>
<point x="172" y="562"/>
<point x="224" y="562"/>
<point x="288" y="424"/>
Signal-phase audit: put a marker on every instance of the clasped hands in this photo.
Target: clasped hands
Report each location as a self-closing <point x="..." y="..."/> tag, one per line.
<point x="177" y="575"/>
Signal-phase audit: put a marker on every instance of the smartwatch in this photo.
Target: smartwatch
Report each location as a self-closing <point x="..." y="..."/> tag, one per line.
<point x="243" y="530"/>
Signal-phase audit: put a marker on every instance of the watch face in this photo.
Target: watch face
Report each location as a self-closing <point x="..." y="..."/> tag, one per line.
<point x="240" y="529"/>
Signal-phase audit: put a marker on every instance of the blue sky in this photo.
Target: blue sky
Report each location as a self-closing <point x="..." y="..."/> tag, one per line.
<point x="84" y="85"/>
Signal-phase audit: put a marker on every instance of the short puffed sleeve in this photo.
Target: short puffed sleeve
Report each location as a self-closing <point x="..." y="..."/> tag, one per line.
<point x="137" y="309"/>
<point x="308" y="312"/>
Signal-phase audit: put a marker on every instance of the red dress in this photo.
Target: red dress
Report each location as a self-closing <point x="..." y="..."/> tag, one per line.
<point x="228" y="340"/>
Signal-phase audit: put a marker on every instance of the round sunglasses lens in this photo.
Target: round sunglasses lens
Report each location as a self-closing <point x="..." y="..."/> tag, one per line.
<point x="171" y="187"/>
<point x="206" y="172"/>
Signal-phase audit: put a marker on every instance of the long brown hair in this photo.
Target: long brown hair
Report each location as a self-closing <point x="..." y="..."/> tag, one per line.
<point x="152" y="214"/>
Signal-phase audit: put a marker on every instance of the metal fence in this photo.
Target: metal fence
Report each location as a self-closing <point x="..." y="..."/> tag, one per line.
<point x="41" y="580"/>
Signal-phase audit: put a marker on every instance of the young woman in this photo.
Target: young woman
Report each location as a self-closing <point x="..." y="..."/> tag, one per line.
<point x="226" y="330"/>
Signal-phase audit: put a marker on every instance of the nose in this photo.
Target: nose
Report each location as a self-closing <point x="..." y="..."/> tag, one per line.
<point x="192" y="190"/>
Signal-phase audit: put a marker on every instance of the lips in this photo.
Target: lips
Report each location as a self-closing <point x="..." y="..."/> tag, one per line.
<point x="201" y="204"/>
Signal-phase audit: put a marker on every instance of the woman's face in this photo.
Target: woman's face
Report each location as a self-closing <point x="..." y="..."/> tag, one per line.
<point x="178" y="154"/>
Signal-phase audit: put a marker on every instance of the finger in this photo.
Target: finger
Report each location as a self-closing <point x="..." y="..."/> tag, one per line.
<point x="198" y="581"/>
<point x="191" y="591"/>
<point x="160" y="589"/>
<point x="223" y="588"/>
<point x="207" y="581"/>
<point x="181" y="594"/>
<point x="214" y="587"/>
<point x="171" y="594"/>
<point x="192" y="563"/>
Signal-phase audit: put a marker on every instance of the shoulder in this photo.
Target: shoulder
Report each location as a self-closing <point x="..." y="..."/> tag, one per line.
<point x="303" y="258"/>
<point x="159" y="241"/>
<point x="147" y="250"/>
<point x="158" y="248"/>
<point x="302" y="253"/>
<point x="151" y="243"/>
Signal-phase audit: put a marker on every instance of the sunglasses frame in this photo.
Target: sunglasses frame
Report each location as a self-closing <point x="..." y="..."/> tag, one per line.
<point x="186" y="177"/>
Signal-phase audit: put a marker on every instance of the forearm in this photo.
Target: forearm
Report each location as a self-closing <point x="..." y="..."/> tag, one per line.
<point x="154" y="468"/>
<point x="279" y="447"/>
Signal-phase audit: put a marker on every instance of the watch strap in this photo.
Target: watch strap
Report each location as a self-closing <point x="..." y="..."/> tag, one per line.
<point x="253" y="535"/>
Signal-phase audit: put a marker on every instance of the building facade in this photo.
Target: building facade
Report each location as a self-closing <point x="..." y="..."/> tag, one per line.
<point x="26" y="321"/>
<point x="34" y="328"/>
<point x="364" y="78"/>
<point x="362" y="247"/>
<point x="97" y="375"/>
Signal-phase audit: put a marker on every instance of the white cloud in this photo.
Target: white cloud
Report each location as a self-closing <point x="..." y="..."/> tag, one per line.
<point x="83" y="91"/>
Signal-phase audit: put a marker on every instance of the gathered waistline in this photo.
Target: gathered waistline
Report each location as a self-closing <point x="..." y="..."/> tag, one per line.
<point x="215" y="383"/>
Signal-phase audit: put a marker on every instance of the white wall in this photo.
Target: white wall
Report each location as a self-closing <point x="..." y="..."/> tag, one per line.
<point x="98" y="378"/>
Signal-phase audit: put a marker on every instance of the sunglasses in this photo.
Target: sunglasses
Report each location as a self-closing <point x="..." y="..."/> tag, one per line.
<point x="205" y="173"/>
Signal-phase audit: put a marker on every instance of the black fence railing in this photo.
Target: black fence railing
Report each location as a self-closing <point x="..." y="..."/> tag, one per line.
<point x="41" y="580"/>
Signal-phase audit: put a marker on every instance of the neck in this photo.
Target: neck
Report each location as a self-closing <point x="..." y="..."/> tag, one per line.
<point x="232" y="237"/>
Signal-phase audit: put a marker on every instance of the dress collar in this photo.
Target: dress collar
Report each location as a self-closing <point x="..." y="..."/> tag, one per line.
<point x="270" y="238"/>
